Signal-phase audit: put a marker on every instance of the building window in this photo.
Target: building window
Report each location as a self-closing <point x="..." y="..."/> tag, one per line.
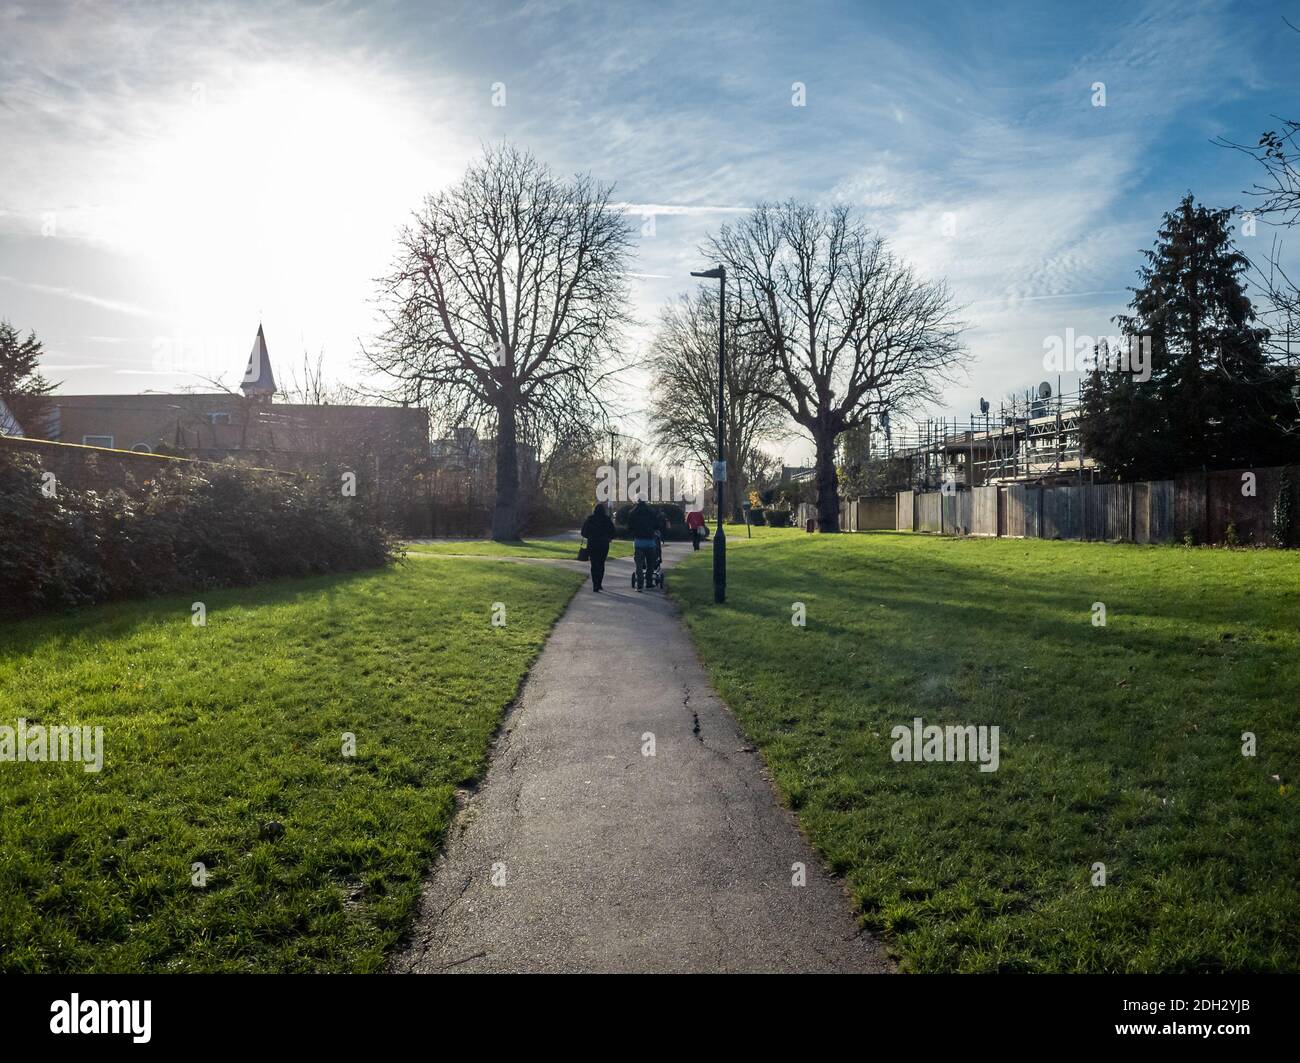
<point x="97" y="441"/>
<point x="142" y="448"/>
<point x="219" y="418"/>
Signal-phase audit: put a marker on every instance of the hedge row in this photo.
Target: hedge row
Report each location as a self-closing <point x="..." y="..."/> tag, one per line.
<point x="184" y="530"/>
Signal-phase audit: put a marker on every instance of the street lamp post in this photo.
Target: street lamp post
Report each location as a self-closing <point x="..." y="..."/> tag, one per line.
<point x="720" y="466"/>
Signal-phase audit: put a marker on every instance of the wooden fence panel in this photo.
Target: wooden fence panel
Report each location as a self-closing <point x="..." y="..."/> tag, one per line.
<point x="1119" y="514"/>
<point x="875" y="514"/>
<point x="1094" y="511"/>
<point x="1160" y="511"/>
<point x="904" y="512"/>
<point x="929" y="512"/>
<point x="1244" y="503"/>
<point x="1055" y="512"/>
<point x="1189" y="506"/>
<point x="1062" y="513"/>
<point x="984" y="511"/>
<point x="1141" y="503"/>
<point x="1014" y="514"/>
<point x="956" y="513"/>
<point x="1023" y="505"/>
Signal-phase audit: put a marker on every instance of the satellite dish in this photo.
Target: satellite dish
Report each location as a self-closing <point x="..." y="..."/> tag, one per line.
<point x="984" y="405"/>
<point x="1044" y="390"/>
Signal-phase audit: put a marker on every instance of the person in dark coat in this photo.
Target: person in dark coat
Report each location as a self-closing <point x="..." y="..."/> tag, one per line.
<point x="598" y="530"/>
<point x="646" y="525"/>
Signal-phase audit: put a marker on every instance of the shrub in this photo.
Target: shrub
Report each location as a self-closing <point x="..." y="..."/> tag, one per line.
<point x="184" y="530"/>
<point x="670" y="511"/>
<point x="1281" y="516"/>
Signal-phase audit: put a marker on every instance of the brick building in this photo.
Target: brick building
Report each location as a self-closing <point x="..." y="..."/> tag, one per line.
<point x="386" y="447"/>
<point x="248" y="426"/>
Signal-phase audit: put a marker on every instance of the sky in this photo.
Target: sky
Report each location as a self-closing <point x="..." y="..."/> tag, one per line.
<point x="175" y="173"/>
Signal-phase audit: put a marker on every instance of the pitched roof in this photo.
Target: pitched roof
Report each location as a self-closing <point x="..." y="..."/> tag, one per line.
<point x="258" y="378"/>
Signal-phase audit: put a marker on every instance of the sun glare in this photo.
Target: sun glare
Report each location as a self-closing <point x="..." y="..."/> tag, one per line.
<point x="276" y="191"/>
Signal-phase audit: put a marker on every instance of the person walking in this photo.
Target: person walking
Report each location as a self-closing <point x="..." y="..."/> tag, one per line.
<point x="598" y="530"/>
<point x="643" y="522"/>
<point x="695" y="521"/>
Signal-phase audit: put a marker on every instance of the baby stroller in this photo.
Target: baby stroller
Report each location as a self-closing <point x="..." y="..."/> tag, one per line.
<point x="652" y="572"/>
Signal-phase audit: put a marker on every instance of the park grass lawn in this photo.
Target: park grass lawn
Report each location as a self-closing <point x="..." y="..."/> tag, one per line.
<point x="212" y="733"/>
<point x="564" y="550"/>
<point x="1120" y="744"/>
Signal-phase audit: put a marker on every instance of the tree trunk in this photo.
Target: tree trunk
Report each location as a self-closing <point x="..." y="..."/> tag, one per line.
<point x="828" y="488"/>
<point x="735" y="496"/>
<point x="505" y="514"/>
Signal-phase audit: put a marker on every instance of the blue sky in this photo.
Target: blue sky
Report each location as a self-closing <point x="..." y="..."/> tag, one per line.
<point x="174" y="172"/>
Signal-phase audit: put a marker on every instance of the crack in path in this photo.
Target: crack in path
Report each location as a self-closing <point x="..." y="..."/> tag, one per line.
<point x="621" y="861"/>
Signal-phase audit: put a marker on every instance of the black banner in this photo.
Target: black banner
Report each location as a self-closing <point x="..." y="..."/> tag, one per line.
<point x="1206" y="1014"/>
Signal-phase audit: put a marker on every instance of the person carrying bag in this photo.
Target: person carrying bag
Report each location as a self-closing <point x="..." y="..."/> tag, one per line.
<point x="598" y="530"/>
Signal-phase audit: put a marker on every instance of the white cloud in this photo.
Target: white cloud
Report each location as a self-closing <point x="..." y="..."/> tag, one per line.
<point x="115" y="305"/>
<point x="252" y="160"/>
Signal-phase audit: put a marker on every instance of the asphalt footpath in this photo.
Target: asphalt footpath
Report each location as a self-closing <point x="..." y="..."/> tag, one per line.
<point x="581" y="852"/>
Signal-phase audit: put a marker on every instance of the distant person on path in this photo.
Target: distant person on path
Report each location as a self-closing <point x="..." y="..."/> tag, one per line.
<point x="598" y="530"/>
<point x="643" y="522"/>
<point x="695" y="521"/>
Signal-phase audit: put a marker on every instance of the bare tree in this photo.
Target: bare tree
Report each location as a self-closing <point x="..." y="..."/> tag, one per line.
<point x="314" y="388"/>
<point x="507" y="299"/>
<point x="852" y="330"/>
<point x="1277" y="192"/>
<point x="1281" y="312"/>
<point x="761" y="470"/>
<point x="562" y="437"/>
<point x="1276" y="196"/>
<point x="684" y="402"/>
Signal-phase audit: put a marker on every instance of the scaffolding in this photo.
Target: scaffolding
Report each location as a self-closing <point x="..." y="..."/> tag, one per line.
<point x="1034" y="437"/>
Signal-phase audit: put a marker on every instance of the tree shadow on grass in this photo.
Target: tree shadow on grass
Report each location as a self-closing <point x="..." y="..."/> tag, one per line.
<point x="1011" y="643"/>
<point x="112" y="621"/>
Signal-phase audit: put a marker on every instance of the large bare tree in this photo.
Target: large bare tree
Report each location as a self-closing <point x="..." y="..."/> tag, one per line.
<point x="1276" y="201"/>
<point x="507" y="300"/>
<point x="684" y="402"/>
<point x="851" y="328"/>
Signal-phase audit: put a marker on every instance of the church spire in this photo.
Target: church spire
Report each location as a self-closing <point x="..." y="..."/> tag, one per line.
<point x="259" y="381"/>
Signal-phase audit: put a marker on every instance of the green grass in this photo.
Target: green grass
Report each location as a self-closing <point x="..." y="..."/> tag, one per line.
<point x="1119" y="744"/>
<point x="212" y="732"/>
<point x="548" y="548"/>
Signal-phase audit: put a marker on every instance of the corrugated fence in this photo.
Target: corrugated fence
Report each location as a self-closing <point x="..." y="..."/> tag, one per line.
<point x="1200" y="506"/>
